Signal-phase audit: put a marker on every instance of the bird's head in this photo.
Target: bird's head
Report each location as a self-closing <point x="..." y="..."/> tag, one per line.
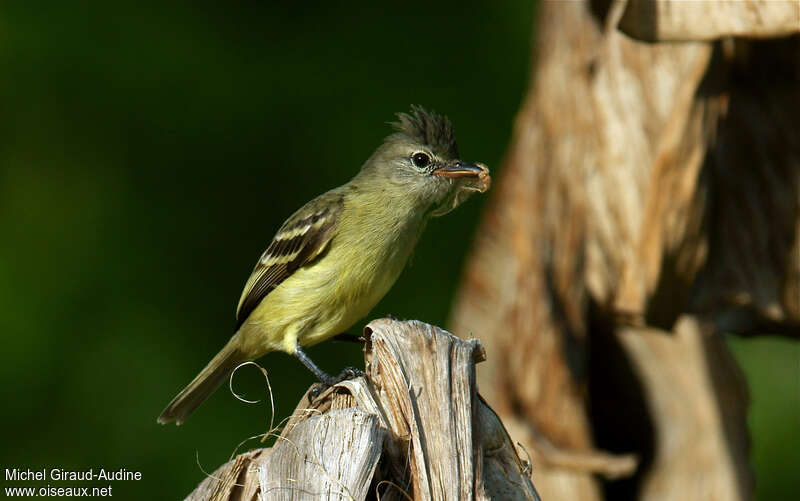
<point x="419" y="163"/>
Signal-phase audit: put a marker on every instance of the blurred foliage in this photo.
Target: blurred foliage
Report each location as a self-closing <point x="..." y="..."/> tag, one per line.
<point x="147" y="155"/>
<point x="772" y="368"/>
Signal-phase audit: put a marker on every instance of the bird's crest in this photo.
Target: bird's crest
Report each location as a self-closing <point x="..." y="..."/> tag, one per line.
<point x="428" y="128"/>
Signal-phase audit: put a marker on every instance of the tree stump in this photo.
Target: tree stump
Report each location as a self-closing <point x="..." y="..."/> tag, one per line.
<point x="649" y="202"/>
<point x="414" y="427"/>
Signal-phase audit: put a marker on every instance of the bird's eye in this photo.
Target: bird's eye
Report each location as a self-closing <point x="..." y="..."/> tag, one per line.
<point x="420" y="159"/>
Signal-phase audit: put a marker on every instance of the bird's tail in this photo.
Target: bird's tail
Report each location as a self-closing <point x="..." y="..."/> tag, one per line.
<point x="209" y="379"/>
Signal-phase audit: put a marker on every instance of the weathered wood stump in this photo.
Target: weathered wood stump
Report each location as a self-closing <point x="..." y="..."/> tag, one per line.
<point x="413" y="428"/>
<point x="648" y="205"/>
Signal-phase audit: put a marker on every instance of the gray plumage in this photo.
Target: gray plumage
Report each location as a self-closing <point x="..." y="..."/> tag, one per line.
<point x="428" y="128"/>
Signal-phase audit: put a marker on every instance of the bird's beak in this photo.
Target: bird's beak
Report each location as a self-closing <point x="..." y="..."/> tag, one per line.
<point x="460" y="169"/>
<point x="477" y="175"/>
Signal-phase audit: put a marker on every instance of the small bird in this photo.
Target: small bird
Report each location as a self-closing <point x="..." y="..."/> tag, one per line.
<point x="336" y="257"/>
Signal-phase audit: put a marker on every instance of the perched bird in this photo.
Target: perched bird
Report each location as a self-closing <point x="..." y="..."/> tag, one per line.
<point x="337" y="256"/>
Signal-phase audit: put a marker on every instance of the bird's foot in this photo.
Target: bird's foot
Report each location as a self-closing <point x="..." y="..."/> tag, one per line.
<point x="317" y="390"/>
<point x="328" y="381"/>
<point x="348" y="373"/>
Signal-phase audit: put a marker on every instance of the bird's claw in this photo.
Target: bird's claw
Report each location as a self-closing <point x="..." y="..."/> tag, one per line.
<point x="346" y="374"/>
<point x="317" y="390"/>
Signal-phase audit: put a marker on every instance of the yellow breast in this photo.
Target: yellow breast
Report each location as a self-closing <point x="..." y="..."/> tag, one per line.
<point x="328" y="296"/>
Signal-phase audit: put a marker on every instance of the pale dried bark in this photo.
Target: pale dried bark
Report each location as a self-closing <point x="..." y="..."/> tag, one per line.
<point x="694" y="457"/>
<point x="414" y="428"/>
<point x="649" y="201"/>
<point x="682" y="20"/>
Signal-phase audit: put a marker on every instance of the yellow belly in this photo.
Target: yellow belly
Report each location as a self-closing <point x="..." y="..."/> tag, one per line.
<point x="324" y="298"/>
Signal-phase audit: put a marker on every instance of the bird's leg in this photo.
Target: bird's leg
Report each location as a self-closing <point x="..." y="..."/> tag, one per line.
<point x="325" y="379"/>
<point x="323" y="376"/>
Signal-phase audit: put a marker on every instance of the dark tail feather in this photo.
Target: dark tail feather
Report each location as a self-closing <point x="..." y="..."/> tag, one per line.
<point x="203" y="385"/>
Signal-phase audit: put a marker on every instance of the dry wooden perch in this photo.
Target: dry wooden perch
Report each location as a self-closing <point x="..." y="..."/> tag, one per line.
<point x="413" y="428"/>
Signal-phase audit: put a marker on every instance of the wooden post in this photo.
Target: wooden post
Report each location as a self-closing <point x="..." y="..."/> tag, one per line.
<point x="413" y="428"/>
<point x="649" y="203"/>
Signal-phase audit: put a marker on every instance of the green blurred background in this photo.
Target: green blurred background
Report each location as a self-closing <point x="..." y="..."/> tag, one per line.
<point x="147" y="155"/>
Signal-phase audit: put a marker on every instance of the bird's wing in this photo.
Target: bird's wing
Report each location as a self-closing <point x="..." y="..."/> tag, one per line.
<point x="302" y="238"/>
